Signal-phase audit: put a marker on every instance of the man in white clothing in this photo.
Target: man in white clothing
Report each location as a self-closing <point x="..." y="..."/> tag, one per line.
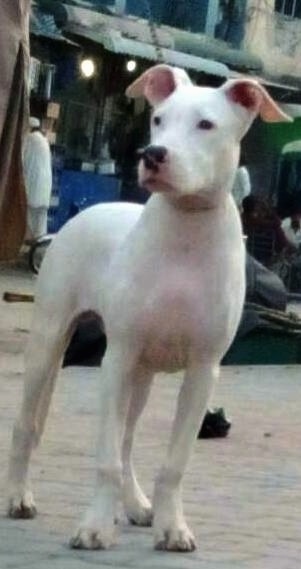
<point x="241" y="186"/>
<point x="38" y="178"/>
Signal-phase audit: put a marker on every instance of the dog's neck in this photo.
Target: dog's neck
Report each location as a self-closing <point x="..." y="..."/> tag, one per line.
<point x="194" y="203"/>
<point x="186" y="213"/>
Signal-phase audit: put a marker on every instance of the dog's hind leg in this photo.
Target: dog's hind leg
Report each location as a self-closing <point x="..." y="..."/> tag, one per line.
<point x="48" y="340"/>
<point x="137" y="506"/>
<point x="97" y="529"/>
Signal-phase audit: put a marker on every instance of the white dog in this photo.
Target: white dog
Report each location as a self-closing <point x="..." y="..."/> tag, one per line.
<point x="167" y="281"/>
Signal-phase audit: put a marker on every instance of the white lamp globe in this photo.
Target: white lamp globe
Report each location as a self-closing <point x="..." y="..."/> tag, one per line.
<point x="131" y="65"/>
<point x="87" y="68"/>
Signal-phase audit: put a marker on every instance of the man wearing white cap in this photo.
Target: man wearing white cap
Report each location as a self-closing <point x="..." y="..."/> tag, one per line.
<point x="38" y="178"/>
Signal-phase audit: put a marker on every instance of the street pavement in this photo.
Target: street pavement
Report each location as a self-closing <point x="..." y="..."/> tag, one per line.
<point x="241" y="494"/>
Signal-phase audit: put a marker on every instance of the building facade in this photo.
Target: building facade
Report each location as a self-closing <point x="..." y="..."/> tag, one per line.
<point x="273" y="32"/>
<point x="224" y="19"/>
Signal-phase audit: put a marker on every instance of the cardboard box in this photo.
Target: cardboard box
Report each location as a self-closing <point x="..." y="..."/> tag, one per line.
<point x="48" y="123"/>
<point x="51" y="136"/>
<point x="53" y="110"/>
<point x="88" y="167"/>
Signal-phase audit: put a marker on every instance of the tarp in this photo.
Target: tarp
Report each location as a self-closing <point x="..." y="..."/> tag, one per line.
<point x="199" y="46"/>
<point x="14" y="57"/>
<point x="113" y="41"/>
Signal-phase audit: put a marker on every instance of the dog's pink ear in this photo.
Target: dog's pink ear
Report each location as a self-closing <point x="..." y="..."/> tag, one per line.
<point x="157" y="83"/>
<point x="253" y="97"/>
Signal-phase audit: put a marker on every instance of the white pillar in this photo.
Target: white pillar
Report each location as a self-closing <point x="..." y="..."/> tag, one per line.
<point x="120" y="6"/>
<point x="212" y="16"/>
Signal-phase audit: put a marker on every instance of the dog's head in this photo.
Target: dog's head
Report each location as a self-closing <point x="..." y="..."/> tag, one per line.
<point x="196" y="131"/>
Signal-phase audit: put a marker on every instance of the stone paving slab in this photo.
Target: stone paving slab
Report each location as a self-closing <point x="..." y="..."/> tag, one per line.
<point x="241" y="494"/>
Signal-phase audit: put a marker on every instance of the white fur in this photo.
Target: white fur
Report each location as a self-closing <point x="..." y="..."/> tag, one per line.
<point x="168" y="282"/>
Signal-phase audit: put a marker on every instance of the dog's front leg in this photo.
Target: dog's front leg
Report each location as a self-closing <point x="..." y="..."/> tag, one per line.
<point x="97" y="530"/>
<point x="137" y="506"/>
<point x="170" y="529"/>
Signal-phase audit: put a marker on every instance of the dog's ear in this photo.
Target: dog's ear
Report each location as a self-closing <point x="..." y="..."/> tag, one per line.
<point x="157" y="83"/>
<point x="254" y="98"/>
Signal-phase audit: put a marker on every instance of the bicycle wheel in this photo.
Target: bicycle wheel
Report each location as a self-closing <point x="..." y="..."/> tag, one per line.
<point x="37" y="252"/>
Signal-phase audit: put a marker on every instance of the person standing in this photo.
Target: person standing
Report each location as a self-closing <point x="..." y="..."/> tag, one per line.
<point x="38" y="178"/>
<point x="242" y="183"/>
<point x="14" y="62"/>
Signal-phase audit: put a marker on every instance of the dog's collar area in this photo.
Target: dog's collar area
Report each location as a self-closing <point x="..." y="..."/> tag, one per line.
<point x="196" y="202"/>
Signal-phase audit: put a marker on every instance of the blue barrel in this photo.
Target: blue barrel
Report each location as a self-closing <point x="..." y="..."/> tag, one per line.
<point x="78" y="190"/>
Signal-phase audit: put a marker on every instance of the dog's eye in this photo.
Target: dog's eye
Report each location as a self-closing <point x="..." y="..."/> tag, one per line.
<point x="157" y="120"/>
<point x="204" y="124"/>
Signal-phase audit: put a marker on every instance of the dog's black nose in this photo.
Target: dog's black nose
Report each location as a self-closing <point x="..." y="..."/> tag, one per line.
<point x="156" y="153"/>
<point x="153" y="155"/>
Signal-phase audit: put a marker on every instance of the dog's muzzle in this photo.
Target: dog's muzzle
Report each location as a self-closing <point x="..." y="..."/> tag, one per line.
<point x="153" y="156"/>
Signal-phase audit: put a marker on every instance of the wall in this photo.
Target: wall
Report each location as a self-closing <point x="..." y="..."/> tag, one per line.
<point x="275" y="38"/>
<point x="205" y="16"/>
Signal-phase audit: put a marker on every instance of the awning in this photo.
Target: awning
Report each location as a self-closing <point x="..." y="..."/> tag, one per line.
<point x="266" y="81"/>
<point x="113" y="41"/>
<point x="293" y="147"/>
<point x="292" y="110"/>
<point x="43" y="25"/>
<point x="280" y="90"/>
<point x="195" y="51"/>
<point x="204" y="46"/>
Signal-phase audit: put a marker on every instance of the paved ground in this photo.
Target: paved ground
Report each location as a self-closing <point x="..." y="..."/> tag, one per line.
<point x="242" y="494"/>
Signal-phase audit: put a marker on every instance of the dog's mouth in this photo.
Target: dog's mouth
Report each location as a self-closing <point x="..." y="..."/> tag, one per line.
<point x="161" y="181"/>
<point x="196" y="200"/>
<point x="155" y="183"/>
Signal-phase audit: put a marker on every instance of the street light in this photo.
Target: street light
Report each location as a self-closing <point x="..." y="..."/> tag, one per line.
<point x="131" y="65"/>
<point x="87" y="68"/>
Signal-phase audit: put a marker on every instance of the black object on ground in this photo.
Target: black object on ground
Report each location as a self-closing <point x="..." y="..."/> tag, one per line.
<point x="87" y="346"/>
<point x="215" y="425"/>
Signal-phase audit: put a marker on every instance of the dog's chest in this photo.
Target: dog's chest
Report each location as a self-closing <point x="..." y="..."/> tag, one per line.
<point x="170" y="313"/>
<point x="169" y="290"/>
<point x="168" y="319"/>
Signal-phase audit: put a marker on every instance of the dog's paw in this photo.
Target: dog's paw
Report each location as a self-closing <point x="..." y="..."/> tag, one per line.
<point x="178" y="539"/>
<point x="140" y="515"/>
<point x="137" y="506"/>
<point x="94" y="537"/>
<point x="22" y="507"/>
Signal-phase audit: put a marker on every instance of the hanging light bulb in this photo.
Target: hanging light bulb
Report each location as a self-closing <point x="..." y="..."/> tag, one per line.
<point x="87" y="68"/>
<point x="131" y="65"/>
